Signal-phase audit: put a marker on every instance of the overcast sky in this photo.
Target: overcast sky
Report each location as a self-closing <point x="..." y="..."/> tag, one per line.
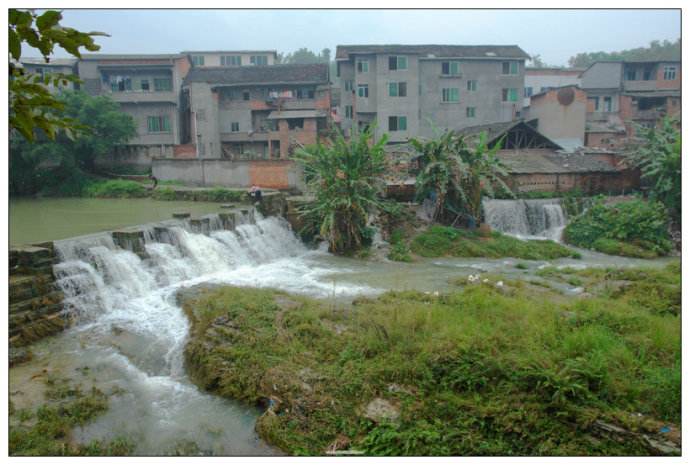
<point x="556" y="35"/>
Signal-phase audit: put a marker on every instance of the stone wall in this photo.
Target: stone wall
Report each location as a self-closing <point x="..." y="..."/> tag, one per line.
<point x="35" y="303"/>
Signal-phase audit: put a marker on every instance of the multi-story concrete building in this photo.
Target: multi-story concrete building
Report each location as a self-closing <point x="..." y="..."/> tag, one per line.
<point x="560" y="115"/>
<point x="539" y="80"/>
<point x="408" y="90"/>
<point x="256" y="111"/>
<point x="230" y="58"/>
<point x="147" y="87"/>
<point x="66" y="66"/>
<point x="623" y="94"/>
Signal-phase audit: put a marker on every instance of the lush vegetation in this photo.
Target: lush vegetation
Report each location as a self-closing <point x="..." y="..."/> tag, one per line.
<point x="346" y="180"/>
<point x="455" y="174"/>
<point x="439" y="241"/>
<point x="216" y="194"/>
<point x="659" y="161"/>
<point x="32" y="105"/>
<point x="47" y="431"/>
<point x="115" y="188"/>
<point x="657" y="50"/>
<point x="62" y="166"/>
<point x="399" y="250"/>
<point x="635" y="228"/>
<point x="486" y="370"/>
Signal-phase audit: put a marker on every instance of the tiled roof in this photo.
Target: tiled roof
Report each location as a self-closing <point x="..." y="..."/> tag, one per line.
<point x="440" y="51"/>
<point x="272" y="74"/>
<point x="527" y="161"/>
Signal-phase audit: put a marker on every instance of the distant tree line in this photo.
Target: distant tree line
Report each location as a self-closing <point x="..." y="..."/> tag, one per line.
<point x="657" y="50"/>
<point x="305" y="56"/>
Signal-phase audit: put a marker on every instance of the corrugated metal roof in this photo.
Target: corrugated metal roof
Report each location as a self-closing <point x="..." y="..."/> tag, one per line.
<point x="438" y="51"/>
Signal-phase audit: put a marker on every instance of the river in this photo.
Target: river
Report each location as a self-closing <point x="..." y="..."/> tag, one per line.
<point x="129" y="335"/>
<point x="39" y="220"/>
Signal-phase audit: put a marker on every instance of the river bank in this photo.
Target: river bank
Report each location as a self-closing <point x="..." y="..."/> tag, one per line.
<point x="495" y="366"/>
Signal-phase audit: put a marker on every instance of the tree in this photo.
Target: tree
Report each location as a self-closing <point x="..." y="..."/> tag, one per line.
<point x="537" y="62"/>
<point x="346" y="178"/>
<point x="455" y="174"/>
<point x="47" y="163"/>
<point x="31" y="103"/>
<point x="657" y="50"/>
<point x="306" y="56"/>
<point x="658" y="159"/>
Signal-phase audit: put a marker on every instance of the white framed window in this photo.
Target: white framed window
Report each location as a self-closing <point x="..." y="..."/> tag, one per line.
<point x="510" y="67"/>
<point x="471" y="112"/>
<point x="231" y="60"/>
<point x="397" y="123"/>
<point x="450" y="95"/>
<point x="450" y="68"/>
<point x="472" y="85"/>
<point x="235" y="127"/>
<point x="198" y="60"/>
<point x="669" y="73"/>
<point x="397" y="89"/>
<point x="362" y="66"/>
<point x="258" y="60"/>
<point x="158" y="124"/>
<point x="363" y="90"/>
<point x="397" y="62"/>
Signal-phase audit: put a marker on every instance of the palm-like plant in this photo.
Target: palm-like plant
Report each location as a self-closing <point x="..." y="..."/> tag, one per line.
<point x="457" y="173"/>
<point x="346" y="180"/>
<point x="658" y="159"/>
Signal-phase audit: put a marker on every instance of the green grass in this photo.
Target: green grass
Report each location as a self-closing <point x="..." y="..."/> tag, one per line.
<point x="478" y="371"/>
<point x="216" y="194"/>
<point x="438" y="241"/>
<point x="614" y="247"/>
<point x="115" y="188"/>
<point x="47" y="431"/>
<point x="399" y="250"/>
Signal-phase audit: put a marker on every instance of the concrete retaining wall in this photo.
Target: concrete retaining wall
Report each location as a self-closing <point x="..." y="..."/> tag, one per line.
<point x="272" y="174"/>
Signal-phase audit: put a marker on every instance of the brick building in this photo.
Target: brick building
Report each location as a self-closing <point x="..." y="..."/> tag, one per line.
<point x="256" y="111"/>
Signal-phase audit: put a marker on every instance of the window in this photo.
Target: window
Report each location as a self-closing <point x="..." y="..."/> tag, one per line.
<point x="363" y="90"/>
<point x="595" y="103"/>
<point x="348" y="111"/>
<point x="450" y="68"/>
<point x="450" y="95"/>
<point x="231" y="60"/>
<point x="528" y="91"/>
<point x="397" y="123"/>
<point x="397" y="89"/>
<point x="162" y="84"/>
<point x="259" y="60"/>
<point x="471" y="112"/>
<point x="669" y="73"/>
<point x="629" y="74"/>
<point x="607" y="104"/>
<point x="245" y="95"/>
<point x="510" y="95"/>
<point x="145" y="84"/>
<point x="348" y="85"/>
<point x="121" y="84"/>
<point x="362" y="66"/>
<point x="310" y="93"/>
<point x="510" y="67"/>
<point x="472" y="85"/>
<point x="648" y="74"/>
<point x="397" y="62"/>
<point x="234" y="127"/>
<point x="296" y="123"/>
<point x="158" y="123"/>
<point x="197" y="60"/>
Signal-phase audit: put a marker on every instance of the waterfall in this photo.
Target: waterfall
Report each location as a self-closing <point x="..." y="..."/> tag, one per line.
<point x="542" y="218"/>
<point x="123" y="304"/>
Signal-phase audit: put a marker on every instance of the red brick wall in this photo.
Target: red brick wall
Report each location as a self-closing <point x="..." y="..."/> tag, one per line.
<point x="184" y="151"/>
<point x="270" y="174"/>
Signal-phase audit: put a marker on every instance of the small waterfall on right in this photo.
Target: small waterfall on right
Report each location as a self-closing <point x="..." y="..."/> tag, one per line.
<point x="540" y="218"/>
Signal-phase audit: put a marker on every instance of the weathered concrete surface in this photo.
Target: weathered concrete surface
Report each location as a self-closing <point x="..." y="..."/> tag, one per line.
<point x="35" y="309"/>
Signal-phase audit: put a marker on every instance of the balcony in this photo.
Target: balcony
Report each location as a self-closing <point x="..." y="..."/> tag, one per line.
<point x="256" y="136"/>
<point x="637" y="86"/>
<point x="137" y="96"/>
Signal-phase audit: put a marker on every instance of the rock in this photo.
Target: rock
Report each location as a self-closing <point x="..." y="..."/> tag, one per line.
<point x="380" y="410"/>
<point x="19" y="355"/>
<point x="395" y="388"/>
<point x="181" y="215"/>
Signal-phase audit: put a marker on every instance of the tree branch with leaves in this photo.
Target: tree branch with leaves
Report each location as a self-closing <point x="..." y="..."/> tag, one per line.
<point x="32" y="105"/>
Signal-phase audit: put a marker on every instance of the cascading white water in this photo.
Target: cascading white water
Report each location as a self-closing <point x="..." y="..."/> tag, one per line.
<point x="540" y="218"/>
<point x="124" y="306"/>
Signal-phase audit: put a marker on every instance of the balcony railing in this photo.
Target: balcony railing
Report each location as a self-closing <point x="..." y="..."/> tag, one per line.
<point x="139" y="96"/>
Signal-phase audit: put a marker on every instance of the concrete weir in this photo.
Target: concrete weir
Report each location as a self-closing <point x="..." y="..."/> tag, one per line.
<point x="36" y="304"/>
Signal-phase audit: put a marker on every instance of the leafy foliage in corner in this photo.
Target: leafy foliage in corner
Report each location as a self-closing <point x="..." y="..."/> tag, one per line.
<point x="59" y="166"/>
<point x="657" y="50"/>
<point x="456" y="174"/>
<point x="347" y="182"/>
<point x="626" y="228"/>
<point x="659" y="161"/>
<point x="32" y="105"/>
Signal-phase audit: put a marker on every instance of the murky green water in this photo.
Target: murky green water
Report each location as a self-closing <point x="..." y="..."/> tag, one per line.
<point x="40" y="220"/>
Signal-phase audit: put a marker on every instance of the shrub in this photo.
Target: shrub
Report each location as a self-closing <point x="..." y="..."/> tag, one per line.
<point x="117" y="188"/>
<point x="632" y="228"/>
